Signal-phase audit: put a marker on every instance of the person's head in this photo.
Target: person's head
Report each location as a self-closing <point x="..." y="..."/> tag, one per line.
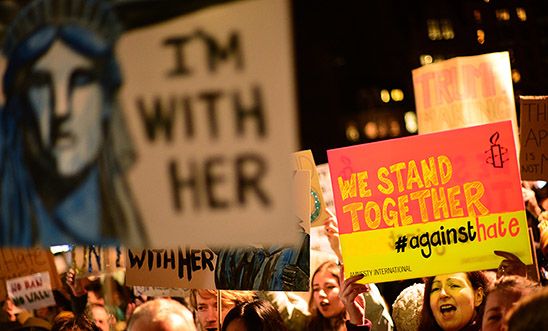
<point x="407" y="308"/>
<point x="60" y="80"/>
<point x="67" y="321"/>
<point x="453" y="301"/>
<point x="529" y="313"/>
<point x="161" y="315"/>
<point x="503" y="294"/>
<point x="9" y="310"/>
<point x="205" y="304"/>
<point x="258" y="315"/>
<point x="324" y="302"/>
<point x="100" y="316"/>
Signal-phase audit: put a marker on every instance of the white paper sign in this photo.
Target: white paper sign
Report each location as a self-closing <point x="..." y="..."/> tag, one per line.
<point x="31" y="292"/>
<point x="209" y="101"/>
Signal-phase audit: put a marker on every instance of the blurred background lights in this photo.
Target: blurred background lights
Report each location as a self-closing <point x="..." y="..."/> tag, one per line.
<point x="411" y="124"/>
<point x="370" y="130"/>
<point x="385" y="96"/>
<point x="396" y="94"/>
<point x="352" y="133"/>
<point x="383" y="129"/>
<point x="395" y="128"/>
<point x="481" y="36"/>
<point x="426" y="59"/>
<point x="516" y="76"/>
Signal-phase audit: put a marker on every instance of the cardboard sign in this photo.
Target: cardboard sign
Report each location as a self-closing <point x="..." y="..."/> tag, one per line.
<point x="31" y="292"/>
<point x="534" y="137"/>
<point x="464" y="91"/>
<point x="305" y="160"/>
<point x="210" y="102"/>
<point x="184" y="267"/>
<point x="18" y="262"/>
<point x="407" y="206"/>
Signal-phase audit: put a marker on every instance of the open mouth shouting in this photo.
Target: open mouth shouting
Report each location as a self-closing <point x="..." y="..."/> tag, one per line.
<point x="447" y="310"/>
<point x="324" y="304"/>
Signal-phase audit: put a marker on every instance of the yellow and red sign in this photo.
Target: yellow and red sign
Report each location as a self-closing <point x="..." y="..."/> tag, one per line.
<point x="429" y="204"/>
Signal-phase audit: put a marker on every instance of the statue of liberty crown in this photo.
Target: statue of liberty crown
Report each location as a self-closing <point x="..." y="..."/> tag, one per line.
<point x="95" y="15"/>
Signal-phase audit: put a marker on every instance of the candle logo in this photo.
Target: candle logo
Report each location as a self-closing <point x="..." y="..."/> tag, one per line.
<point x="496" y="152"/>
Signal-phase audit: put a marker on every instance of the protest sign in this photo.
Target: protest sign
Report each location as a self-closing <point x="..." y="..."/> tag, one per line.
<point x="301" y="197"/>
<point x="210" y="103"/>
<point x="95" y="260"/>
<point x="464" y="91"/>
<point x="272" y="268"/>
<point x="429" y="204"/>
<point x="184" y="267"/>
<point x="304" y="160"/>
<point x="534" y="137"/>
<point x="18" y="262"/>
<point x="32" y="291"/>
<point x="325" y="183"/>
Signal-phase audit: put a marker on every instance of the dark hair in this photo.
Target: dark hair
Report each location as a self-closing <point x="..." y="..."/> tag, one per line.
<point x="258" y="315"/>
<point x="67" y="321"/>
<point x="529" y="313"/>
<point x="428" y="322"/>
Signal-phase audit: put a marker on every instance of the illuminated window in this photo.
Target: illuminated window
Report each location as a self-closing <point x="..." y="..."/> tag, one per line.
<point x="411" y="124"/>
<point x="434" y="32"/>
<point x="383" y="129"/>
<point x="502" y="14"/>
<point x="394" y="128"/>
<point x="385" y="96"/>
<point x="522" y="15"/>
<point x="426" y="59"/>
<point x="477" y="15"/>
<point x="352" y="133"/>
<point x="516" y="76"/>
<point x="370" y="130"/>
<point x="447" y="29"/>
<point x="396" y="94"/>
<point x="481" y="36"/>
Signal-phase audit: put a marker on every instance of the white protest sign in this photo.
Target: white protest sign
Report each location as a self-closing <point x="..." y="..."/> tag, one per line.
<point x="209" y="101"/>
<point x="465" y="91"/>
<point x="31" y="292"/>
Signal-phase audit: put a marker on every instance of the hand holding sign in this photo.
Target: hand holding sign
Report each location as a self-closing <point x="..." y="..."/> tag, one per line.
<point x="76" y="286"/>
<point x="511" y="265"/>
<point x="350" y="296"/>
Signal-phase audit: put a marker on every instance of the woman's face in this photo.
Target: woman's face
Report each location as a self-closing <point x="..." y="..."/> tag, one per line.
<point x="325" y="291"/>
<point x="453" y="301"/>
<point x="496" y="306"/>
<point x="67" y="100"/>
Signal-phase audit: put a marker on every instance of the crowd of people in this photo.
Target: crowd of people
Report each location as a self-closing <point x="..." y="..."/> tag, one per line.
<point x="60" y="164"/>
<point x="511" y="297"/>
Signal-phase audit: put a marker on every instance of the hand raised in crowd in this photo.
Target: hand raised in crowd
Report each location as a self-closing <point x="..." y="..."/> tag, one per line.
<point x="76" y="285"/>
<point x="511" y="265"/>
<point x="332" y="232"/>
<point x="353" y="301"/>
